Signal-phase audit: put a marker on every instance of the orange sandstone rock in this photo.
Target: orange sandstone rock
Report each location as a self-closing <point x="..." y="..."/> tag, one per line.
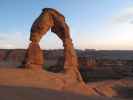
<point x="34" y="57"/>
<point x="52" y="19"/>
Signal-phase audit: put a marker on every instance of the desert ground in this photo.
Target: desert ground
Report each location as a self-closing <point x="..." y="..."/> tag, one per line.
<point x="20" y="84"/>
<point x="24" y="84"/>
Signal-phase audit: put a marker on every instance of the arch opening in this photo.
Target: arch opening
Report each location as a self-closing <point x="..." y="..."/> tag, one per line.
<point x="53" y="52"/>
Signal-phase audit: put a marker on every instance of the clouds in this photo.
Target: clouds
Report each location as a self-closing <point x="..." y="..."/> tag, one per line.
<point x="115" y="32"/>
<point x="98" y="24"/>
<point x="13" y="40"/>
<point x="120" y="30"/>
<point x="123" y="25"/>
<point x="125" y="16"/>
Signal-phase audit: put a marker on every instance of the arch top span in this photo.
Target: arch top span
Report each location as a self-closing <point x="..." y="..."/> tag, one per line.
<point x="54" y="20"/>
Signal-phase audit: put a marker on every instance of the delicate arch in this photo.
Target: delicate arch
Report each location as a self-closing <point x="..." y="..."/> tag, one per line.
<point x="51" y="19"/>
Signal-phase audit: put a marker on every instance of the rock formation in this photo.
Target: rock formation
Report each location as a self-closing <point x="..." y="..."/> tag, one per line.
<point x="52" y="19"/>
<point x="34" y="56"/>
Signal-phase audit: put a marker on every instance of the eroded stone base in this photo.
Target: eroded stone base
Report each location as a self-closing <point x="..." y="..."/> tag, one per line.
<point x="34" y="57"/>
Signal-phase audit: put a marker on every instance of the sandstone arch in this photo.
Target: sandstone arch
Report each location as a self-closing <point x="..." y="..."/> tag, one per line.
<point x="51" y="19"/>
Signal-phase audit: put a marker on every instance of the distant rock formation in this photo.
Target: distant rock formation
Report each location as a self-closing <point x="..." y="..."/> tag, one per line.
<point x="102" y="69"/>
<point x="52" y="19"/>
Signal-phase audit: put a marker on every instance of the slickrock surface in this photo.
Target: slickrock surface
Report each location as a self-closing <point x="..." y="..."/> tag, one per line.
<point x="42" y="79"/>
<point x="26" y="84"/>
<point x="29" y="93"/>
<point x="59" y="82"/>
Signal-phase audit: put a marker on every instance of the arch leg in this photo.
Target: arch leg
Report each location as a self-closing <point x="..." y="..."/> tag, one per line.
<point x="34" y="56"/>
<point x="70" y="57"/>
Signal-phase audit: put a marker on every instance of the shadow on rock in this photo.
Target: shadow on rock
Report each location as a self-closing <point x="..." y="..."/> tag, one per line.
<point x="125" y="92"/>
<point x="29" y="93"/>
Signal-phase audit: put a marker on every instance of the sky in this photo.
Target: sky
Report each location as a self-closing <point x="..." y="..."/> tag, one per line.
<point x="94" y="24"/>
